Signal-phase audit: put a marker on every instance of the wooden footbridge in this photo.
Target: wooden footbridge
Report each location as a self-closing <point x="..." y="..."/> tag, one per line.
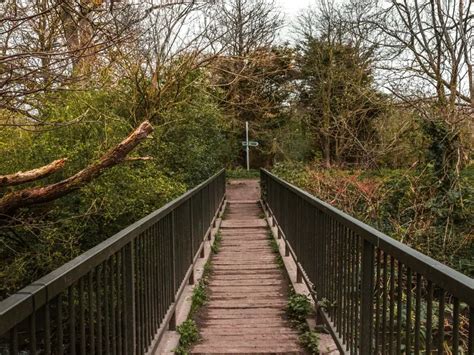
<point x="372" y="294"/>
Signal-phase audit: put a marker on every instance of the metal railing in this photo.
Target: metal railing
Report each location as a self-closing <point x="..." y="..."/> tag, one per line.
<point x="118" y="297"/>
<point x="376" y="295"/>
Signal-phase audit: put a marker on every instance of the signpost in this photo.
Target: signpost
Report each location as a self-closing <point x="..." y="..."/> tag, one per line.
<point x="250" y="144"/>
<point x="247" y="144"/>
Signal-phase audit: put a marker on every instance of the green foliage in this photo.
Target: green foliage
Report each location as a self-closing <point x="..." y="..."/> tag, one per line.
<point x="276" y="250"/>
<point x="310" y="340"/>
<point x="298" y="307"/>
<point x="189" y="144"/>
<point x="241" y="173"/>
<point x="199" y="297"/>
<point x="192" y="144"/>
<point x="294" y="141"/>
<point x="215" y="247"/>
<point x="189" y="334"/>
<point x="403" y="203"/>
<point x="337" y="94"/>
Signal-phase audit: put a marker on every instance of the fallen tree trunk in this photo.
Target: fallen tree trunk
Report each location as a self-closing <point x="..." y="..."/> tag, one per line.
<point x="23" y="177"/>
<point x="27" y="197"/>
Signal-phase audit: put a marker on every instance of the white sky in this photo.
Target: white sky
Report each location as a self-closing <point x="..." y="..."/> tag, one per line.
<point x="290" y="9"/>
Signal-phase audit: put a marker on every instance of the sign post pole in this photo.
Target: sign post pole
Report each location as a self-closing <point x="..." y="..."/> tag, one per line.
<point x="247" y="144"/>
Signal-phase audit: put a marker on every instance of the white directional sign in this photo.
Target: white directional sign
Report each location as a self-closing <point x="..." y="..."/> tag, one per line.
<point x="250" y="144"/>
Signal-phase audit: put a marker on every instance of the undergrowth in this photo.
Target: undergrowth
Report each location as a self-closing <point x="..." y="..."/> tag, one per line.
<point x="276" y="250"/>
<point x="239" y="173"/>
<point x="217" y="243"/>
<point x="188" y="330"/>
<point x="189" y="334"/>
<point x="298" y="309"/>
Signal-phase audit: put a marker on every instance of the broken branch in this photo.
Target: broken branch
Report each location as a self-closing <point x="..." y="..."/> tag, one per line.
<point x="23" y="177"/>
<point x="27" y="197"/>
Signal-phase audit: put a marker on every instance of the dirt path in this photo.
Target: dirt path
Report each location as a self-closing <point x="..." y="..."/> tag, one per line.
<point x="245" y="313"/>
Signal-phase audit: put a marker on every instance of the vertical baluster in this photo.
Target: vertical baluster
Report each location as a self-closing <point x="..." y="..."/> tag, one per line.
<point x="367" y="296"/>
<point x="82" y="317"/>
<point x="140" y="299"/>
<point x="149" y="276"/>
<point x="357" y="291"/>
<point x="105" y="301"/>
<point x="344" y="284"/>
<point x="119" y="283"/>
<point x="90" y="292"/>
<point x="441" y="322"/>
<point x="113" y="296"/>
<point x="331" y="269"/>
<point x="408" y="313"/>
<point x="392" y="305"/>
<point x="429" y="314"/>
<point x="161" y="279"/>
<point x="72" y="321"/>
<point x="455" y="326"/>
<point x="14" y="340"/>
<point x="154" y="286"/>
<point x="417" y="313"/>
<point x="129" y="298"/>
<point x="353" y="294"/>
<point x="32" y="331"/>
<point x="98" y="303"/>
<point x="339" y="269"/>
<point x="377" y="302"/>
<point x="384" y="303"/>
<point x="470" y="337"/>
<point x="325" y="235"/>
<point x="399" y="307"/>
<point x="47" y="328"/>
<point x="59" y="325"/>
<point x="160" y="270"/>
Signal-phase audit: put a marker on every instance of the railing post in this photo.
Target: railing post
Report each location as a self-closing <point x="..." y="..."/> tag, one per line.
<point x="130" y="316"/>
<point x="191" y="228"/>
<point x="299" y="275"/>
<point x="173" y="252"/>
<point x="367" y="297"/>
<point x="172" y="322"/>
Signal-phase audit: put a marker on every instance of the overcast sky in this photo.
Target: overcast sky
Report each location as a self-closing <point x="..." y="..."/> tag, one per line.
<point x="290" y="9"/>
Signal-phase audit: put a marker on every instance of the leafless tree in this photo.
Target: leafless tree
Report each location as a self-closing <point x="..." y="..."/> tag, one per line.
<point x="48" y="45"/>
<point x="247" y="25"/>
<point x="427" y="51"/>
<point x="429" y="42"/>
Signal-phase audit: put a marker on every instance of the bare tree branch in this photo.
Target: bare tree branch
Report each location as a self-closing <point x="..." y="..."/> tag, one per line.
<point x="27" y="197"/>
<point x="22" y="177"/>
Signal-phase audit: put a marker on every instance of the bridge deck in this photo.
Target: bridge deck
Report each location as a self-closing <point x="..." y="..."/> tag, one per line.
<point x="248" y="293"/>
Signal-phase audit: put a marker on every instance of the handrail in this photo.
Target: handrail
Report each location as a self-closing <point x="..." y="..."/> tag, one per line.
<point x="151" y="258"/>
<point x="351" y="265"/>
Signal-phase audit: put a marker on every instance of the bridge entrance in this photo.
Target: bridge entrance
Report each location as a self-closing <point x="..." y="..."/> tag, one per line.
<point x="248" y="292"/>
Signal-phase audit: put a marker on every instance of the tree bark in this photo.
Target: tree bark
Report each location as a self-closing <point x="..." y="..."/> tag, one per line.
<point x="32" y="175"/>
<point x="27" y="197"/>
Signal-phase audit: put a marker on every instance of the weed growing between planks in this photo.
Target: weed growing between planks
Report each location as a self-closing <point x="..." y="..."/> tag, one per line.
<point x="276" y="250"/>
<point x="298" y="309"/>
<point x="217" y="243"/>
<point x="188" y="330"/>
<point x="189" y="334"/>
